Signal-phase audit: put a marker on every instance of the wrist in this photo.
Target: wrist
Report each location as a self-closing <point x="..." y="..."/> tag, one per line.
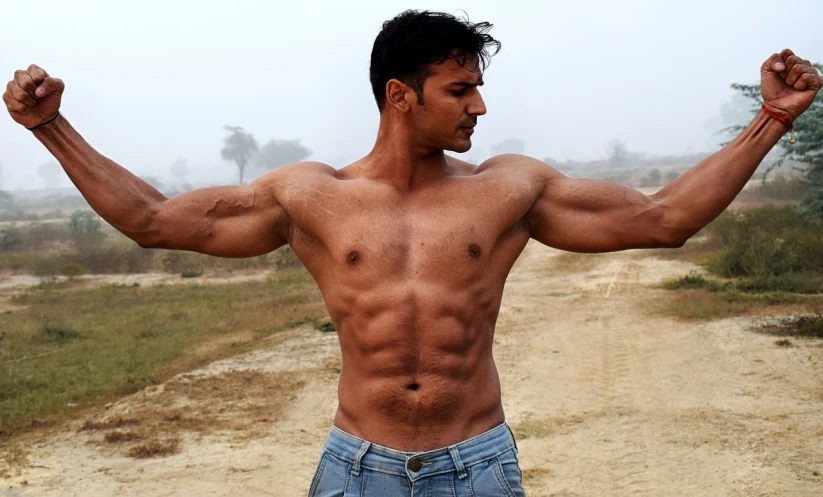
<point x="783" y="117"/>
<point x="45" y="123"/>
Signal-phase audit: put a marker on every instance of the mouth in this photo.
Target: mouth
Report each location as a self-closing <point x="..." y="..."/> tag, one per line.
<point x="467" y="129"/>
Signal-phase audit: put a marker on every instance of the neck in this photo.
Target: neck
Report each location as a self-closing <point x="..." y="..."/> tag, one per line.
<point x="401" y="161"/>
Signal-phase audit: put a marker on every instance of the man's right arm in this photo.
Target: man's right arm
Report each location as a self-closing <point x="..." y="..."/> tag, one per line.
<point x="231" y="221"/>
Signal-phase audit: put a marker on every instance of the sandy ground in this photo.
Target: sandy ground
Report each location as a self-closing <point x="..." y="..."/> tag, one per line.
<point x="608" y="400"/>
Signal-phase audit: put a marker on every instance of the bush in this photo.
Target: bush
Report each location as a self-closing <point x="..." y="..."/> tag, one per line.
<point x="799" y="326"/>
<point x="766" y="242"/>
<point x="789" y="282"/>
<point x="693" y="281"/>
<point x="185" y="263"/>
<point x="84" y="227"/>
<point x="72" y="270"/>
<point x="8" y="237"/>
<point x="285" y="258"/>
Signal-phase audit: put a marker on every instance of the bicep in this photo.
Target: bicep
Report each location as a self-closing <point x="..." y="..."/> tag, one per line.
<point x="582" y="215"/>
<point x="228" y="221"/>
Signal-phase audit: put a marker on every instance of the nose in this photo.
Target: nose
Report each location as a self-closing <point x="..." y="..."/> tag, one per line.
<point x="477" y="107"/>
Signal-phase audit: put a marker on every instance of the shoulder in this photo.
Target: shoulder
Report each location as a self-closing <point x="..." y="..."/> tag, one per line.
<point x="309" y="173"/>
<point x="294" y="178"/>
<point x="520" y="167"/>
<point x="300" y="170"/>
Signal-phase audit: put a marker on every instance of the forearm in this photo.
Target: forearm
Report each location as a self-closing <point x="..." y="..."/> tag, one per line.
<point x="118" y="196"/>
<point x="698" y="196"/>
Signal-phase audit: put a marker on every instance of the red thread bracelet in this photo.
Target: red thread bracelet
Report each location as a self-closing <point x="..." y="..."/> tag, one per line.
<point x="781" y="120"/>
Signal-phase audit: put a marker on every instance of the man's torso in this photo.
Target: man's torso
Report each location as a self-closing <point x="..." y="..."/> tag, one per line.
<point x="413" y="281"/>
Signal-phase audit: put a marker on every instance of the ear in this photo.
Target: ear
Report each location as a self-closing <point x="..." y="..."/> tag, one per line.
<point x="398" y="95"/>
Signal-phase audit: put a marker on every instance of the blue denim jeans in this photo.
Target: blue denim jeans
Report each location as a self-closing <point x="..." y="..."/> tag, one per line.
<point x="482" y="466"/>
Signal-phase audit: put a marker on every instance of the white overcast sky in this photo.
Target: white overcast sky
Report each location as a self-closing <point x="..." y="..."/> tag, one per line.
<point x="150" y="81"/>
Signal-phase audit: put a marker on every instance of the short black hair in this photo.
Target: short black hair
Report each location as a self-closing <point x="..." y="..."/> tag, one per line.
<point x="411" y="41"/>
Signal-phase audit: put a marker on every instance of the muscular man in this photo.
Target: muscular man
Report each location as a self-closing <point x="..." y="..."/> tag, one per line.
<point x="411" y="247"/>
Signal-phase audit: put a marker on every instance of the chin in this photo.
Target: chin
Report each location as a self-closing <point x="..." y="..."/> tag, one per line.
<point x="460" y="147"/>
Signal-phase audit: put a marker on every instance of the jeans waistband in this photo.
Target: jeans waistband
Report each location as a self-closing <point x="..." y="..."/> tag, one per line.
<point x="364" y="454"/>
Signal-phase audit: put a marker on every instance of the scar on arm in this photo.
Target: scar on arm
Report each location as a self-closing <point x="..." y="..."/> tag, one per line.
<point x="222" y="206"/>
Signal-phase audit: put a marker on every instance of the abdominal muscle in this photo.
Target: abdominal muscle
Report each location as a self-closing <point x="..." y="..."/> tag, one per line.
<point x="413" y="382"/>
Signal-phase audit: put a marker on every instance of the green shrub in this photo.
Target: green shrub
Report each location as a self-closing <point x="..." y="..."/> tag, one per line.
<point x="72" y="270"/>
<point x="693" y="281"/>
<point x="58" y="334"/>
<point x="84" y="227"/>
<point x="809" y="283"/>
<point x="801" y="326"/>
<point x="46" y="270"/>
<point x="765" y="242"/>
<point x="285" y="258"/>
<point x="8" y="237"/>
<point x="324" y="326"/>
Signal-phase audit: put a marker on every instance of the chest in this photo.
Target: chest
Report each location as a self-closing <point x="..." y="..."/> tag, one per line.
<point x="372" y="230"/>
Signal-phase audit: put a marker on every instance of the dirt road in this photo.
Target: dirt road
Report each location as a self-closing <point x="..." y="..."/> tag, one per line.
<point x="607" y="400"/>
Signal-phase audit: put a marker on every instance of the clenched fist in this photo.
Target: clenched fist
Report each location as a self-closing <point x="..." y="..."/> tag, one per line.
<point x="33" y="97"/>
<point x="789" y="84"/>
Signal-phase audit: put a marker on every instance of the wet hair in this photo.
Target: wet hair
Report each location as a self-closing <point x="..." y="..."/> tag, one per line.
<point x="413" y="40"/>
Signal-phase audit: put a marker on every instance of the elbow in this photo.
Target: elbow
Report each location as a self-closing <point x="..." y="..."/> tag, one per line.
<point x="144" y="229"/>
<point x="674" y="227"/>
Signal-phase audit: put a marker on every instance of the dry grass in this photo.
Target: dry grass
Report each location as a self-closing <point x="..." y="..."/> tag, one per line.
<point x="534" y="475"/>
<point x="238" y="404"/>
<point x="570" y="262"/>
<point x="108" y="423"/>
<point x="542" y="428"/>
<point x="155" y="448"/>
<point x="703" y="305"/>
<point x="118" y="436"/>
<point x="13" y="458"/>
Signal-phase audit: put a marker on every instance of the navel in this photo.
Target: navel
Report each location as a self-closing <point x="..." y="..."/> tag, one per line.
<point x="474" y="250"/>
<point x="413" y="386"/>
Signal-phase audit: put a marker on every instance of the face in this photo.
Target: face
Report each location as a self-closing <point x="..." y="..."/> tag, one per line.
<point x="451" y="104"/>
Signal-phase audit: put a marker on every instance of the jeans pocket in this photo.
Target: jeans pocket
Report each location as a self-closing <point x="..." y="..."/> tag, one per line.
<point x="331" y="478"/>
<point x="497" y="476"/>
<point x="510" y="469"/>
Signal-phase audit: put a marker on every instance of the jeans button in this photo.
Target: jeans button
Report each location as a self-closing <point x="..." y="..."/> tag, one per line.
<point x="415" y="465"/>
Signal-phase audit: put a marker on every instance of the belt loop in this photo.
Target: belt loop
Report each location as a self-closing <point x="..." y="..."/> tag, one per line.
<point x="461" y="470"/>
<point x="355" y="469"/>
<point x="513" y="439"/>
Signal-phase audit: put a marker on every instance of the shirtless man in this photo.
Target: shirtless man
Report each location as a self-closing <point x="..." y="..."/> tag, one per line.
<point x="411" y="248"/>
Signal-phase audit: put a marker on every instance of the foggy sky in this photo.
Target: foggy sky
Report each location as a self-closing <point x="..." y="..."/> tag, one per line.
<point x="155" y="80"/>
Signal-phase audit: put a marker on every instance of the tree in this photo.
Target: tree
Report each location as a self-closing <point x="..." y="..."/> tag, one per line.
<point x="6" y="200"/>
<point x="52" y="174"/>
<point x="84" y="228"/>
<point x="671" y="176"/>
<point x="239" y="147"/>
<point x="618" y="153"/>
<point x="510" y="146"/>
<point x="808" y="149"/>
<point x="655" y="176"/>
<point x="179" y="170"/>
<point x="276" y="153"/>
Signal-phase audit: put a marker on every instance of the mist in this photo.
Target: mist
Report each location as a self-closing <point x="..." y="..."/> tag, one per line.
<point x="154" y="83"/>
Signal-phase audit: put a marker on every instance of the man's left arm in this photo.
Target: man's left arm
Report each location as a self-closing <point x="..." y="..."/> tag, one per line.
<point x="593" y="216"/>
